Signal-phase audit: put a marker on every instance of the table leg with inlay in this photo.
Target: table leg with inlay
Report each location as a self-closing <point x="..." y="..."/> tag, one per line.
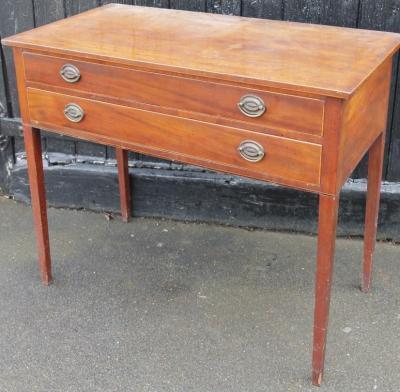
<point x="375" y="165"/>
<point x="38" y="196"/>
<point x="124" y="184"/>
<point x="327" y="222"/>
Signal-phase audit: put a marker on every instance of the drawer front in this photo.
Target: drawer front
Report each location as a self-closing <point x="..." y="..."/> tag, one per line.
<point x="186" y="96"/>
<point x="217" y="147"/>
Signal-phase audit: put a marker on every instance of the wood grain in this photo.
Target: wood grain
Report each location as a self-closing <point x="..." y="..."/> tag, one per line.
<point x="301" y="57"/>
<point x="364" y="119"/>
<point x="63" y="149"/>
<point x="383" y="15"/>
<point x="372" y="14"/>
<point x="333" y="122"/>
<point x="38" y="198"/>
<point x="375" y="163"/>
<point x="184" y="95"/>
<point x="124" y="184"/>
<point x="172" y="100"/>
<point x="327" y="222"/>
<point x="287" y="161"/>
<point x="20" y="74"/>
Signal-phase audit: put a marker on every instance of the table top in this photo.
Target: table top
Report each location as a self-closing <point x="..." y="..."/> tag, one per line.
<point x="325" y="60"/>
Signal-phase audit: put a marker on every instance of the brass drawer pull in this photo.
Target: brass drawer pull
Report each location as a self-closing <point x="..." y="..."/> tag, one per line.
<point x="74" y="112"/>
<point x="70" y="73"/>
<point x="251" y="151"/>
<point x="252" y="106"/>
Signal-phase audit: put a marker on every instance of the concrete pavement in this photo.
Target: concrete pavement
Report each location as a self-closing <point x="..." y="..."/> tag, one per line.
<point x="157" y="305"/>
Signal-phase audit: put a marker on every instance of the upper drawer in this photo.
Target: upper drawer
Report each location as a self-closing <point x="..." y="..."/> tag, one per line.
<point x="187" y="97"/>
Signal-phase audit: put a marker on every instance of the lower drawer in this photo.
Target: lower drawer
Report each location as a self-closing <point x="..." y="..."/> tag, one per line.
<point x="231" y="150"/>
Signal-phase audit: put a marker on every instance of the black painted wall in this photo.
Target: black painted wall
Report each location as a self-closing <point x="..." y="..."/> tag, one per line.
<point x="76" y="156"/>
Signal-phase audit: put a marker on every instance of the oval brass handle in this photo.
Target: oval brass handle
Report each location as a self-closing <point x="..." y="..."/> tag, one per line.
<point x="252" y="106"/>
<point x="70" y="73"/>
<point x="251" y="151"/>
<point x="74" y="112"/>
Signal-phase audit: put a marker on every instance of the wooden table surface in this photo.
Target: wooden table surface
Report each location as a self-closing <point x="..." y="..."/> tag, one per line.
<point x="332" y="61"/>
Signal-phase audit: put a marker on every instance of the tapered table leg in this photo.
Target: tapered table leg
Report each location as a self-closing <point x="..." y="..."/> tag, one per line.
<point x="38" y="196"/>
<point x="124" y="184"/>
<point x="375" y="164"/>
<point x="328" y="214"/>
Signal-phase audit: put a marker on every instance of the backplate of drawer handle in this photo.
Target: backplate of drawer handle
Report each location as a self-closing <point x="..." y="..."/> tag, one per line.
<point x="70" y="73"/>
<point x="74" y="112"/>
<point x="252" y="105"/>
<point x="251" y="151"/>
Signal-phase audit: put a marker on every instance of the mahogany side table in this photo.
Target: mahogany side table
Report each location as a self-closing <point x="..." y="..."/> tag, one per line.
<point x="294" y="104"/>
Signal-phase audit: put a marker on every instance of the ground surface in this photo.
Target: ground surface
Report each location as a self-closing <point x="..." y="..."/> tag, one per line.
<point x="166" y="306"/>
